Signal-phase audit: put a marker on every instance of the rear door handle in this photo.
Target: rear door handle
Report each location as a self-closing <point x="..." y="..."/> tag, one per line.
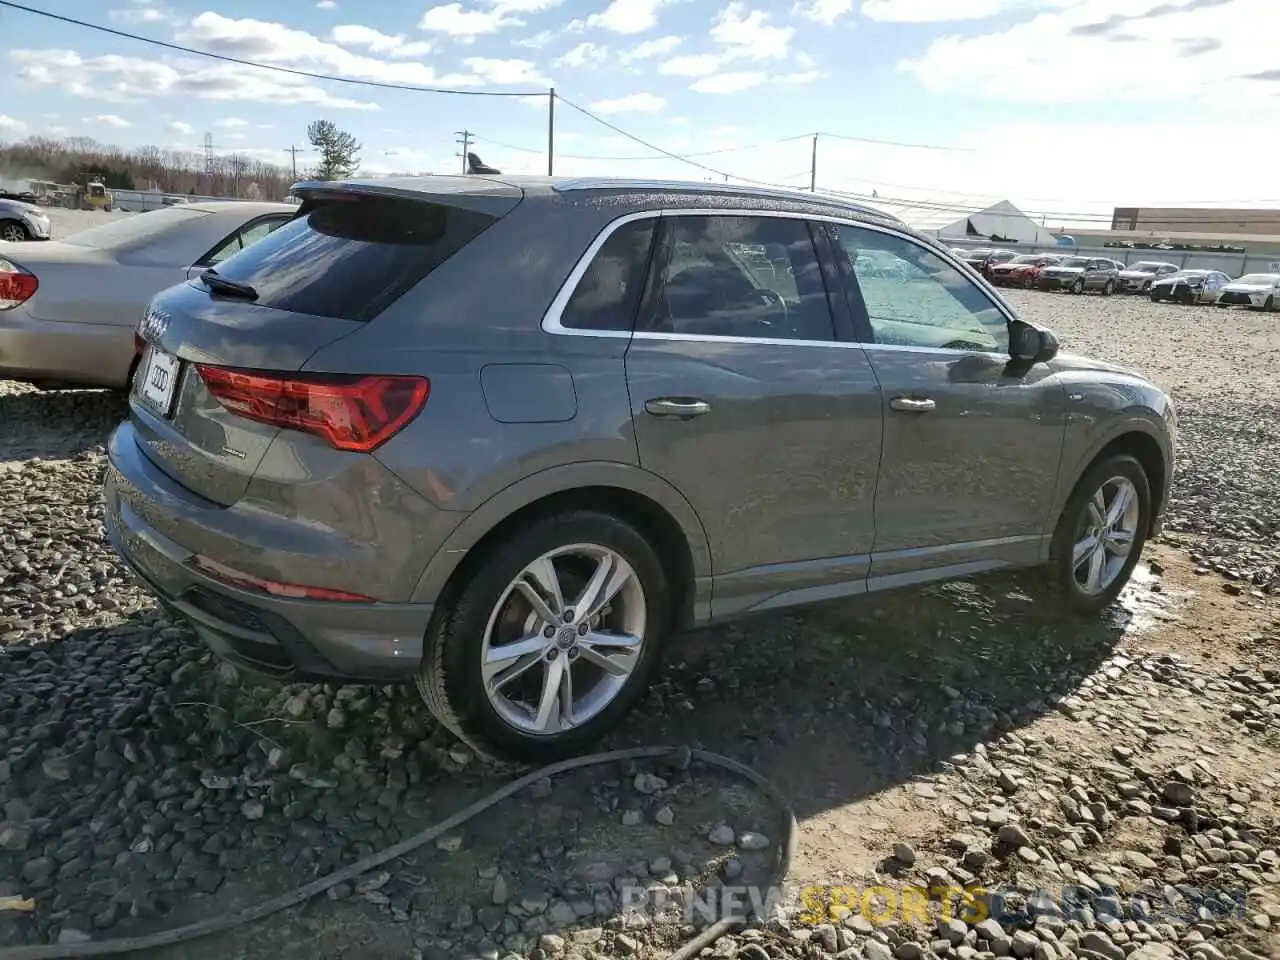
<point x="682" y="407"/>
<point x="912" y="404"/>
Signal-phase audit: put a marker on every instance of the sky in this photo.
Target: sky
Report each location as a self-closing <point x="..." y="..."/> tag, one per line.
<point x="1065" y="107"/>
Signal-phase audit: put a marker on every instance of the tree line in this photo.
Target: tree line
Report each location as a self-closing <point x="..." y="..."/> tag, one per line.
<point x="189" y="172"/>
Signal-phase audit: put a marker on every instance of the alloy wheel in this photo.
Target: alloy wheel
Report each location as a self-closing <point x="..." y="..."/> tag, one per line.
<point x="13" y="232"/>
<point x="563" y="639"/>
<point x="1107" y="532"/>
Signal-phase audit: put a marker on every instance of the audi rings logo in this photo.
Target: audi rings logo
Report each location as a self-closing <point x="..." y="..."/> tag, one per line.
<point x="154" y="324"/>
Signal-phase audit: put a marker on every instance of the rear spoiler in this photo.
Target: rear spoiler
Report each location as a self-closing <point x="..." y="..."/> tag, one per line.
<point x="485" y="195"/>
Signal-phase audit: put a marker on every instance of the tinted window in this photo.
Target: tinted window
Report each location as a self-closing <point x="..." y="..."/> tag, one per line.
<point x="607" y="295"/>
<point x="738" y="276"/>
<point x="925" y="302"/>
<point x="352" y="258"/>
<point x="243" y="238"/>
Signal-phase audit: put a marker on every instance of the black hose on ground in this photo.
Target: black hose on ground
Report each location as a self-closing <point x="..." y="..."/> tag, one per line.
<point x="784" y="852"/>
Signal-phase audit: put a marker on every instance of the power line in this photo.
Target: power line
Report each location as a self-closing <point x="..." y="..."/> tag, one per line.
<point x="894" y="143"/>
<point x="603" y="157"/>
<point x="260" y="66"/>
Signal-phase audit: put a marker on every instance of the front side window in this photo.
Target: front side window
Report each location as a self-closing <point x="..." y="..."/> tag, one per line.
<point x="925" y="302"/>
<point x="737" y="276"/>
<point x="607" y="295"/>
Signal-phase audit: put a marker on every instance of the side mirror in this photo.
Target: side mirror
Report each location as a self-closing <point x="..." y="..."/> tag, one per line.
<point x="1031" y="345"/>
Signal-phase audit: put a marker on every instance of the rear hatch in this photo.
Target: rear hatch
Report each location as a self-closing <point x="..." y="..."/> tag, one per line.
<point x="222" y="354"/>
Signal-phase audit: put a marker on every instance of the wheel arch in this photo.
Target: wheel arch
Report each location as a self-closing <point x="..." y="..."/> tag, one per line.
<point x="1137" y="437"/>
<point x="643" y="499"/>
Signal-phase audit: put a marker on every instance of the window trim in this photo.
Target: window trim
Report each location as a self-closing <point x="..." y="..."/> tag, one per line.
<point x="204" y="261"/>
<point x="551" y="317"/>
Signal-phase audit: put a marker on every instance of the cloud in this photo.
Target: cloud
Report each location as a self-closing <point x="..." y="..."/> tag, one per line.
<point x="108" y="119"/>
<point x="732" y="82"/>
<point x="11" y="125"/>
<point x="396" y="47"/>
<point x="178" y="126"/>
<point x="1175" y="51"/>
<point x="944" y="11"/>
<point x="825" y="12"/>
<point x="651" y="48"/>
<point x="270" y="42"/>
<point x="140" y="14"/>
<point x="326" y="5"/>
<point x="627" y="16"/>
<point x="231" y="123"/>
<point x="507" y="72"/>
<point x="747" y="33"/>
<point x="465" y="24"/>
<point x="120" y="79"/>
<point x="634" y="103"/>
<point x="582" y="55"/>
<point x="694" y="65"/>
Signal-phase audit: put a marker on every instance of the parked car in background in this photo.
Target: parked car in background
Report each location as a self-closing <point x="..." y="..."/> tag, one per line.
<point x="1261" y="291"/>
<point x="1137" y="277"/>
<point x="1022" y="270"/>
<point x="1190" y="286"/>
<point x="384" y="444"/>
<point x="21" y="221"/>
<point x="1078" y="274"/>
<point x="69" y="308"/>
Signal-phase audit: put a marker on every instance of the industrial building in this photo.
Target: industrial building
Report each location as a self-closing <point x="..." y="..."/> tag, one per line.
<point x="1197" y="221"/>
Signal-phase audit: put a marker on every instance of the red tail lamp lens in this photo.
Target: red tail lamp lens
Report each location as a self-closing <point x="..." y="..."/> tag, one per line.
<point x="357" y="413"/>
<point x="17" y="285"/>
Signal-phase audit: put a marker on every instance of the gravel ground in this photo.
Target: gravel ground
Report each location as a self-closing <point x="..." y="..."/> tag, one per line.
<point x="949" y="737"/>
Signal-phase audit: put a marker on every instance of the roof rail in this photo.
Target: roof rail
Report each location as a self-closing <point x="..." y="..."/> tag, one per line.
<point x="695" y="186"/>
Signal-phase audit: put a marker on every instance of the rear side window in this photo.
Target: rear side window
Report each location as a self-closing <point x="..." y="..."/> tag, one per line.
<point x="608" y="294"/>
<point x="354" y="257"/>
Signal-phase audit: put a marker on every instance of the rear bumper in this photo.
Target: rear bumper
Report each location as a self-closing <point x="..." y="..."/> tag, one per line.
<point x="276" y="637"/>
<point x="81" y="354"/>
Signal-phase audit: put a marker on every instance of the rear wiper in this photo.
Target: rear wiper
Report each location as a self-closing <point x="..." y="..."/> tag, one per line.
<point x="220" y="284"/>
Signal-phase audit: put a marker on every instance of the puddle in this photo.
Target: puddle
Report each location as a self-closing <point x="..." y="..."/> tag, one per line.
<point x="1146" y="602"/>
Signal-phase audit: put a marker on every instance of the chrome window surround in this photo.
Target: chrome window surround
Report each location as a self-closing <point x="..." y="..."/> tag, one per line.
<point x="551" y="319"/>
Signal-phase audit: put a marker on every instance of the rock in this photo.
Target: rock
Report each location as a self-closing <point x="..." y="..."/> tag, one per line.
<point x="499" y="893"/>
<point x="875" y="950"/>
<point x="1011" y="834"/>
<point x="631" y="818"/>
<point x="449" y="843"/>
<point x="1024" y="943"/>
<point x="252" y="810"/>
<point x="753" y="841"/>
<point x="907" y="950"/>
<point x="904" y="853"/>
<point x="664" y="816"/>
<point x="14" y="838"/>
<point x="38" y="870"/>
<point x="1101" y="944"/>
<point x="69" y="936"/>
<point x="1138" y="862"/>
<point x="625" y="945"/>
<point x="648" y="783"/>
<point x="722" y="836"/>
<point x="952" y="930"/>
<point x="1178" y="793"/>
<point x="989" y="929"/>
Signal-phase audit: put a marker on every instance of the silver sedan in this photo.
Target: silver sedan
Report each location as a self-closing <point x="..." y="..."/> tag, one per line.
<point x="69" y="308"/>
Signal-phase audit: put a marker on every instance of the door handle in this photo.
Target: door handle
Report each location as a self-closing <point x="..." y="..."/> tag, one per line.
<point x="912" y="404"/>
<point x="682" y="407"/>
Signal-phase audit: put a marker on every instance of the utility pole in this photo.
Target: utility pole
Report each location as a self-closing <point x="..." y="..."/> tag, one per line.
<point x="293" y="151"/>
<point x="551" y="132"/>
<point x="464" y="140"/>
<point x="813" y="166"/>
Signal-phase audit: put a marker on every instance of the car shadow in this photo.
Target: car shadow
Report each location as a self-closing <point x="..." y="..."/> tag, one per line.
<point x="260" y="787"/>
<point x="57" y="424"/>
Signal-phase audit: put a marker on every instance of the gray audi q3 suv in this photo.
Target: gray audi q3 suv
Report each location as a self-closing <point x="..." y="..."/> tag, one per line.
<point x="505" y="436"/>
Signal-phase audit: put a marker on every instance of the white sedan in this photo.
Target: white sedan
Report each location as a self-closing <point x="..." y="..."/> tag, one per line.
<point x="69" y="308"/>
<point x="1260" y="291"/>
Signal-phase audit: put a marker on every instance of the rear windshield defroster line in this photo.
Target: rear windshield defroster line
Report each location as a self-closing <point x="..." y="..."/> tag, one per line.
<point x="351" y="258"/>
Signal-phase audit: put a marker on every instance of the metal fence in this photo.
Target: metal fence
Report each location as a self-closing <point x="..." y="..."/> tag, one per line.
<point x="139" y="201"/>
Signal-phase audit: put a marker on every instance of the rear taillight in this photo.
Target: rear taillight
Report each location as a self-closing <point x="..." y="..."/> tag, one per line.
<point x="17" y="285"/>
<point x="357" y="413"/>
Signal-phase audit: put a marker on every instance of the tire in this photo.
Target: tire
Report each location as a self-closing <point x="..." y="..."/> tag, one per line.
<point x="488" y="603"/>
<point x="1146" y="287"/>
<point x="1078" y="287"/>
<point x="1269" y="304"/>
<point x="14" y="231"/>
<point x="1108" y="288"/>
<point x="1064" y="573"/>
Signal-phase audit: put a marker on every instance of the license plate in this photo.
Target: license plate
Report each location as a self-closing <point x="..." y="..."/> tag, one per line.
<point x="159" y="380"/>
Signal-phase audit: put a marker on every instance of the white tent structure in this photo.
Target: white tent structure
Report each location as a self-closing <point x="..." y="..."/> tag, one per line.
<point x="947" y="220"/>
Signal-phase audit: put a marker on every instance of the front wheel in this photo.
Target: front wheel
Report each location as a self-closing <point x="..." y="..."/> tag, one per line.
<point x="551" y="641"/>
<point x="13" y="231"/>
<point x="1100" y="535"/>
<point x="1108" y="288"/>
<point x="1270" y="303"/>
<point x="1077" y="287"/>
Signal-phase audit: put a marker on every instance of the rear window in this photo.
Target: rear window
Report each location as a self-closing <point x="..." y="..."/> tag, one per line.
<point x="352" y="258"/>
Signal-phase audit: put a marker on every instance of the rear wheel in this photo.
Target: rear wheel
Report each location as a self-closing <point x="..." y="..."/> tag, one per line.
<point x="13" y="231"/>
<point x="551" y="641"/>
<point x="1077" y="287"/>
<point x="1108" y="288"/>
<point x="1100" y="535"/>
<point x="1270" y="303"/>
